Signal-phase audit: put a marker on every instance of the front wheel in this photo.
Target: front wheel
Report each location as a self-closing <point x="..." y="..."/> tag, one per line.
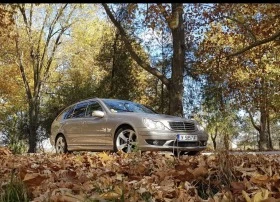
<point x="61" y="145"/>
<point x="125" y="140"/>
<point x="190" y="153"/>
<point x="193" y="153"/>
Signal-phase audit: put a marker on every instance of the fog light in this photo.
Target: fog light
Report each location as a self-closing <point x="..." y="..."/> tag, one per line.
<point x="155" y="142"/>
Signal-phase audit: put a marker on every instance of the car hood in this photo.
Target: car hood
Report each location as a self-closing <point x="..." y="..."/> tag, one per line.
<point x="155" y="117"/>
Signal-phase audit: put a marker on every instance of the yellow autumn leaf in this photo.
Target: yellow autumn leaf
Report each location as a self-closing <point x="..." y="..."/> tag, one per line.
<point x="265" y="193"/>
<point x="118" y="190"/>
<point x="246" y="196"/>
<point x="110" y="195"/>
<point x="258" y="197"/>
<point x="104" y="156"/>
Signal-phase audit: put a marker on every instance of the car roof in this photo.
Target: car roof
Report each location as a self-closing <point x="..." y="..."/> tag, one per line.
<point x="96" y="98"/>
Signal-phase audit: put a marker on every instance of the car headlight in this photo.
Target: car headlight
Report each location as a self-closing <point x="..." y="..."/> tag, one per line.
<point x="153" y="124"/>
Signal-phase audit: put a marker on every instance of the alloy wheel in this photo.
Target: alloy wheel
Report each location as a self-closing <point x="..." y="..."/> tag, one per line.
<point x="60" y="145"/>
<point x="126" y="140"/>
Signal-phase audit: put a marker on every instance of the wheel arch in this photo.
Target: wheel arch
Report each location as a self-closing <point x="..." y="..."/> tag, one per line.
<point x="123" y="126"/>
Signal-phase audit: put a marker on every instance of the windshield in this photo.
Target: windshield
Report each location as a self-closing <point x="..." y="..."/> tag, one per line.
<point x="126" y="106"/>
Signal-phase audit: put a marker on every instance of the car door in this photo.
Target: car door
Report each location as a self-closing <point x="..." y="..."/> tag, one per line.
<point x="73" y="127"/>
<point x="95" y="130"/>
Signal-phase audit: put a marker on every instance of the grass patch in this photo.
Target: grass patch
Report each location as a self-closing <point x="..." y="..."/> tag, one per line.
<point x="13" y="191"/>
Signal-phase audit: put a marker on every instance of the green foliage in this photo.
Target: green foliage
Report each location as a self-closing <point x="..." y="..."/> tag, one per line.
<point x="123" y="78"/>
<point x="14" y="191"/>
<point x="18" y="146"/>
<point x="15" y="132"/>
<point x="247" y="81"/>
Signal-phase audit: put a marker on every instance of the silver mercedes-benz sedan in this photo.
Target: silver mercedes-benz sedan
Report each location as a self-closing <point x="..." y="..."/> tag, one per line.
<point x="109" y="124"/>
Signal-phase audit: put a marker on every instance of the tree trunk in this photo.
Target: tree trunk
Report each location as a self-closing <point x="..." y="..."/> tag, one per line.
<point x="33" y="125"/>
<point x="176" y="87"/>
<point x="264" y="111"/>
<point x="162" y="99"/>
<point x="226" y="141"/>
<point x="263" y="133"/>
<point x="264" y="140"/>
<point x="42" y="49"/>
<point x="270" y="145"/>
<point x="213" y="138"/>
<point x="175" y="83"/>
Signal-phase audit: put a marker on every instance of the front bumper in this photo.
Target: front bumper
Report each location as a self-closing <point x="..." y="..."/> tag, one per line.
<point x="167" y="140"/>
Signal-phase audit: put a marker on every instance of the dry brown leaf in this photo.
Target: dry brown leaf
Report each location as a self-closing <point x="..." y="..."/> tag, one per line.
<point x="67" y="198"/>
<point x="200" y="171"/>
<point x="151" y="175"/>
<point x="167" y="185"/>
<point x="5" y="151"/>
<point x="237" y="187"/>
<point x="34" y="179"/>
<point x="271" y="199"/>
<point x="259" y="179"/>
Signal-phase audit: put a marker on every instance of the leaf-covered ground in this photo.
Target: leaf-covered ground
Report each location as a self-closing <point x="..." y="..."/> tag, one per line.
<point x="148" y="176"/>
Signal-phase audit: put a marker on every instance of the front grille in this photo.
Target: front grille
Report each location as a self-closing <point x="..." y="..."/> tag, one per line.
<point x="182" y="126"/>
<point x="184" y="144"/>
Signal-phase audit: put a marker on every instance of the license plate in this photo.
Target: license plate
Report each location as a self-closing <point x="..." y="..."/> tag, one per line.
<point x="186" y="137"/>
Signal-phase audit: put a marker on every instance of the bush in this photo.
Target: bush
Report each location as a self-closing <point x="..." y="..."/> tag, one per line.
<point x="14" y="191"/>
<point x="18" y="147"/>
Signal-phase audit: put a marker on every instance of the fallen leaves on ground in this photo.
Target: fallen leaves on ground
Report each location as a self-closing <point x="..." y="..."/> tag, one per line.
<point x="148" y="176"/>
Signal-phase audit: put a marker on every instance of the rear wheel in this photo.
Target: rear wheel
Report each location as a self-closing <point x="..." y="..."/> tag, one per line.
<point x="125" y="140"/>
<point x="61" y="145"/>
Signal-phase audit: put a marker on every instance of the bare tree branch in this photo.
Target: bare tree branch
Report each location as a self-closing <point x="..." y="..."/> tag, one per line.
<point x="42" y="30"/>
<point x="129" y="47"/>
<point x="56" y="44"/>
<point x="257" y="43"/>
<point x="51" y="28"/>
<point x="22" y="10"/>
<point x="22" y="71"/>
<point x="252" y="120"/>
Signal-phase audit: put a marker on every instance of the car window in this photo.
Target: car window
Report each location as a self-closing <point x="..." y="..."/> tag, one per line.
<point x="80" y="110"/>
<point x="126" y="106"/>
<point x="69" y="112"/>
<point x="93" y="106"/>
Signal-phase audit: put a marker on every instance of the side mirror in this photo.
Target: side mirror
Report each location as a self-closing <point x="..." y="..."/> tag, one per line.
<point x="98" y="113"/>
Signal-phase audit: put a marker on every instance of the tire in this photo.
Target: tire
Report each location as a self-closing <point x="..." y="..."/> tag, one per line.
<point x="125" y="140"/>
<point x="193" y="153"/>
<point x="61" y="145"/>
<point x="178" y="153"/>
<point x="190" y="153"/>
